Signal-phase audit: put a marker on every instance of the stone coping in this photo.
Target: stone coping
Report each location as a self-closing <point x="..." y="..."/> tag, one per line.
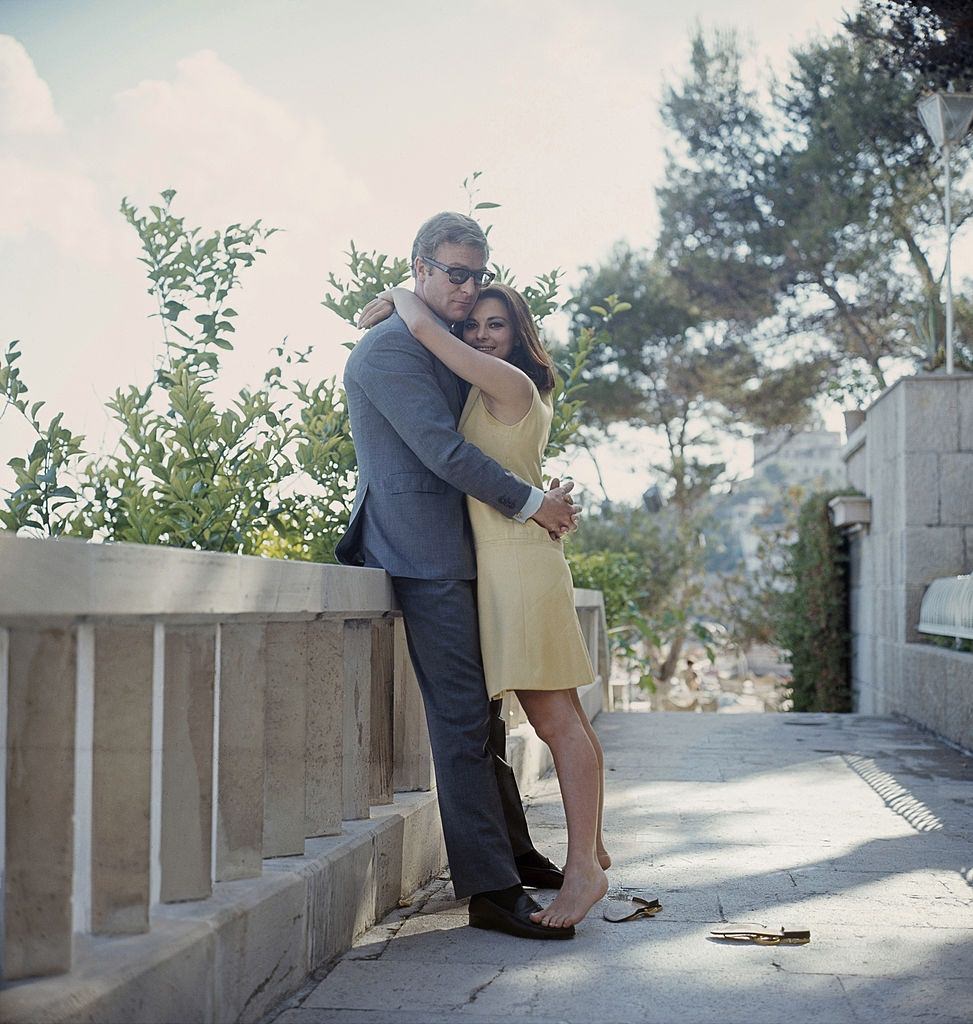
<point x="63" y="579"/>
<point x="68" y="578"/>
<point x="859" y="437"/>
<point x="938" y="377"/>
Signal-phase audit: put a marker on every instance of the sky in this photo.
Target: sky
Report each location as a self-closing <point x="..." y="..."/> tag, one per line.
<point x="334" y="121"/>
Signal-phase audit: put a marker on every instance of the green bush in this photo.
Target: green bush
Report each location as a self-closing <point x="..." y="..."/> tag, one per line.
<point x="812" y="620"/>
<point x="271" y="473"/>
<point x="621" y="578"/>
<point x="617" y="574"/>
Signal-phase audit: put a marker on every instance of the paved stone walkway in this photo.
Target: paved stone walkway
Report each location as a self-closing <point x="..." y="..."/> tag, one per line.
<point x="858" y="828"/>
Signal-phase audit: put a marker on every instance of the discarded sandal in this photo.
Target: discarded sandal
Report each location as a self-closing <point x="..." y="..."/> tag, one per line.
<point x="631" y="909"/>
<point x="746" y="931"/>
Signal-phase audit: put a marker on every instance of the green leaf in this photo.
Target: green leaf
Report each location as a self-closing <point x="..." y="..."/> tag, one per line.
<point x="486" y="206"/>
<point x="172" y="309"/>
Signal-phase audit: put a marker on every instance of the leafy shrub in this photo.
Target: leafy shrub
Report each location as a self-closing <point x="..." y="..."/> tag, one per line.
<point x="271" y="473"/>
<point x="812" y="620"/>
<point x="185" y="472"/>
<point x="617" y="574"/>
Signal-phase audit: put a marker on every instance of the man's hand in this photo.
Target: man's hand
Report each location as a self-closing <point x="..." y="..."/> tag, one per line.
<point x="558" y="514"/>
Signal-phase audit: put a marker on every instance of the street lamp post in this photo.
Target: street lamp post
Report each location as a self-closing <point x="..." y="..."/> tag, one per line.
<point x="946" y="117"/>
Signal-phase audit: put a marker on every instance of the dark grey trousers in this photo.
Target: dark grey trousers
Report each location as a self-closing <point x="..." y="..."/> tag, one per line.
<point x="444" y="642"/>
<point x="513" y="806"/>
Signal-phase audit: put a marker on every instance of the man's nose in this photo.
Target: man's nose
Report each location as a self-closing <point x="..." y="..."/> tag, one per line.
<point x="470" y="287"/>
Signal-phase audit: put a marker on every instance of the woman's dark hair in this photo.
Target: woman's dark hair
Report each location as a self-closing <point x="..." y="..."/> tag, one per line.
<point x="528" y="352"/>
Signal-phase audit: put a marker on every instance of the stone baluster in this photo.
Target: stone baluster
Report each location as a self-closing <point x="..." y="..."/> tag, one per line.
<point x="356" y="733"/>
<point x="39" y="802"/>
<point x="187" y="767"/>
<point x="285" y="738"/>
<point x="323" y="738"/>
<point x="240" y="772"/>
<point x="382" y="717"/>
<point x="412" y="759"/>
<point x="121" y="779"/>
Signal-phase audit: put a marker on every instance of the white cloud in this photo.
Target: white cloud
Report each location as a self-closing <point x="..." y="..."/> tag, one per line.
<point x="555" y="100"/>
<point x="230" y="150"/>
<point x="235" y="154"/>
<point x="26" y="105"/>
<point x="46" y="191"/>
<point x="54" y="200"/>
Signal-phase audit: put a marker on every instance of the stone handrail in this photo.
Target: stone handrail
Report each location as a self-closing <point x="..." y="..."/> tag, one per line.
<point x="172" y="718"/>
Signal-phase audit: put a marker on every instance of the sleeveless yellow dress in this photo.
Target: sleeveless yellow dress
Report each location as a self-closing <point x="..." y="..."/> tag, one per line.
<point x="529" y="631"/>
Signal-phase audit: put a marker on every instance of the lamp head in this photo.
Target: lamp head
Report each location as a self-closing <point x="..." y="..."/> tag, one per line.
<point x="946" y="116"/>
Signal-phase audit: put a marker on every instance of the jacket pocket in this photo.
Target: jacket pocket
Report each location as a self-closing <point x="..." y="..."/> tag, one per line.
<point x="416" y="483"/>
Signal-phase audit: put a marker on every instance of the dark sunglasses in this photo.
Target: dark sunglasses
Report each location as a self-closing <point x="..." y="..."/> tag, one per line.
<point x="460" y="275"/>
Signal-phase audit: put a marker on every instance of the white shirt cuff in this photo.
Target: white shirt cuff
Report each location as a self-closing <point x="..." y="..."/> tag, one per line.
<point x="532" y="504"/>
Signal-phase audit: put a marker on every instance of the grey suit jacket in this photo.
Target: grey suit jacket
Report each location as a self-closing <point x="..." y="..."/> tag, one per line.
<point x="409" y="514"/>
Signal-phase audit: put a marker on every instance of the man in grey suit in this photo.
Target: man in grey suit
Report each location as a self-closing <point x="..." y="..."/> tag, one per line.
<point x="409" y="518"/>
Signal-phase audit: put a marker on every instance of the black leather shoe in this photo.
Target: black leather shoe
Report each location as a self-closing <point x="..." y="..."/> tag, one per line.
<point x="546" y="876"/>
<point x="484" y="913"/>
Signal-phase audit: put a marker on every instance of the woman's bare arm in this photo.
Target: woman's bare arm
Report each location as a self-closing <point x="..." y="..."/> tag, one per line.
<point x="506" y="384"/>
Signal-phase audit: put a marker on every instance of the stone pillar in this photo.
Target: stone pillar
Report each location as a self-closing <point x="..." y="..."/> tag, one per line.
<point x="187" y="768"/>
<point x="240" y="774"/>
<point x="323" y="737"/>
<point x="412" y="756"/>
<point x="356" y="735"/>
<point x="914" y="461"/>
<point x="39" y="857"/>
<point x="285" y="737"/>
<point x="382" y="717"/>
<point x="121" y="779"/>
<point x="924" y="471"/>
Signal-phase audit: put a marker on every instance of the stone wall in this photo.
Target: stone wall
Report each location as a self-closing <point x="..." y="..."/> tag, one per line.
<point x="217" y="773"/>
<point x="913" y="458"/>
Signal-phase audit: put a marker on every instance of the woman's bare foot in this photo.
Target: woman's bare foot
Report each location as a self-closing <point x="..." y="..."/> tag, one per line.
<point x="580" y="892"/>
<point x="604" y="857"/>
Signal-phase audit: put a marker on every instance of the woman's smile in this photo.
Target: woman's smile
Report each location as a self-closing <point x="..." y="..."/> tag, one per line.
<point x="488" y="328"/>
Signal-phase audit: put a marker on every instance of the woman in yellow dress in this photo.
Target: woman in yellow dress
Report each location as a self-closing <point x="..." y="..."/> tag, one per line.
<point x="529" y="632"/>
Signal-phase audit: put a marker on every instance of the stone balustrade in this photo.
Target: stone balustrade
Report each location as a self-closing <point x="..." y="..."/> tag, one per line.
<point x="175" y="718"/>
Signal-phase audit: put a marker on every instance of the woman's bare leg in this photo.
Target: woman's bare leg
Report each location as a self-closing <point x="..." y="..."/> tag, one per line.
<point x="555" y="719"/>
<point x="604" y="858"/>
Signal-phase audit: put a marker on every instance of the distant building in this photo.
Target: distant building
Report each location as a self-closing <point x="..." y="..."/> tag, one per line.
<point x="810" y="457"/>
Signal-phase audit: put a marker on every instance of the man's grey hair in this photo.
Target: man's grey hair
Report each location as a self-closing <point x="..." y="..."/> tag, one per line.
<point x="448" y="228"/>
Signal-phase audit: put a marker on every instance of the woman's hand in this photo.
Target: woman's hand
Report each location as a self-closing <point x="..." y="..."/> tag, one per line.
<point x="379" y="309"/>
<point x="406" y="303"/>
